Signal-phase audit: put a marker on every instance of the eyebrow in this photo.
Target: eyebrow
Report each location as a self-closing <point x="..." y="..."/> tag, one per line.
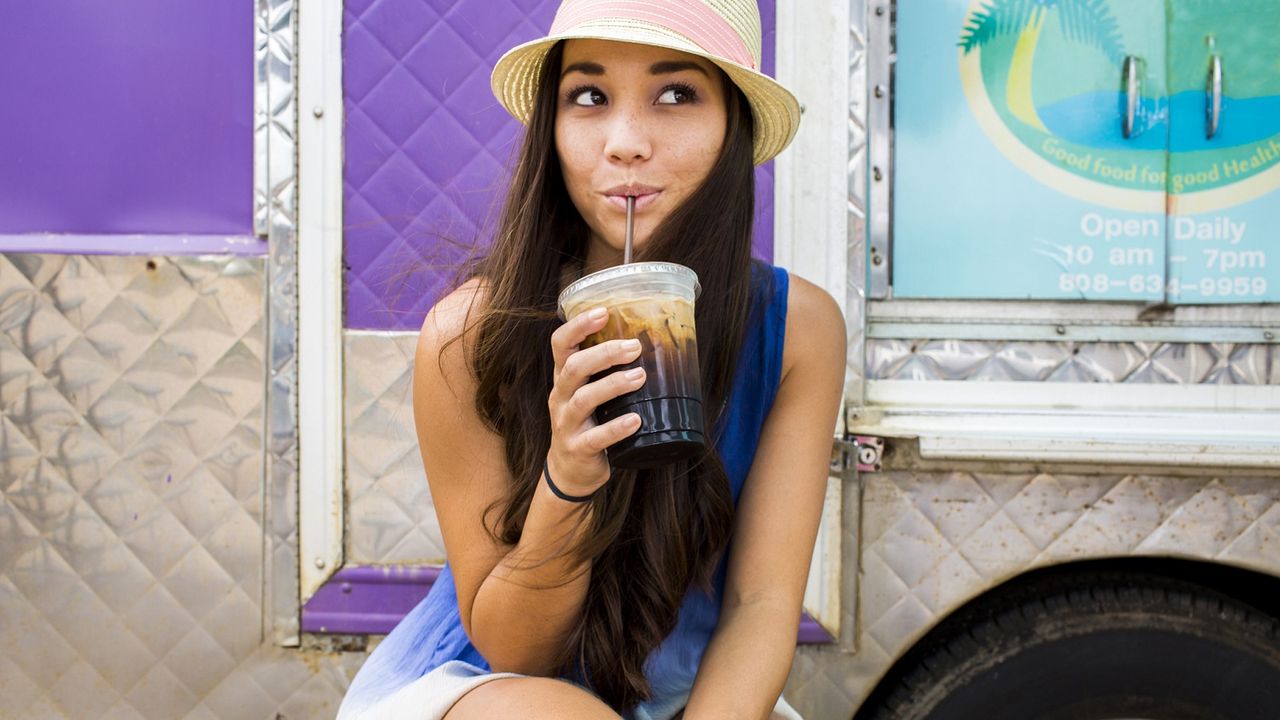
<point x="673" y="66"/>
<point x="665" y="67"/>
<point x="586" y="68"/>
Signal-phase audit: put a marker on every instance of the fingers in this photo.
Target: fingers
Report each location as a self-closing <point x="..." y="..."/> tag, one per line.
<point x="600" y="437"/>
<point x="578" y="444"/>
<point x="566" y="338"/>
<point x="587" y="398"/>
<point x="582" y="365"/>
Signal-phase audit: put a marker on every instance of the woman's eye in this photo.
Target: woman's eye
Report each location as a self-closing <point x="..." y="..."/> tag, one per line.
<point x="587" y="97"/>
<point x="676" y="96"/>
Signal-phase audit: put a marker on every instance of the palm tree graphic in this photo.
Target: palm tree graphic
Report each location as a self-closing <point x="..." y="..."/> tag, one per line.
<point x="1085" y="21"/>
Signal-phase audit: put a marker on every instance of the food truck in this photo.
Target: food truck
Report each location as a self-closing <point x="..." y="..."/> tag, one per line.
<point x="1052" y="226"/>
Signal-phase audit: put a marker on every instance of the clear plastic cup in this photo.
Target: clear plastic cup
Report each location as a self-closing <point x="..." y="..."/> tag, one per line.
<point x="652" y="302"/>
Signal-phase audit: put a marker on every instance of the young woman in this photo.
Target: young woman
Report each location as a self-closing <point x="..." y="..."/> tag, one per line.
<point x="573" y="589"/>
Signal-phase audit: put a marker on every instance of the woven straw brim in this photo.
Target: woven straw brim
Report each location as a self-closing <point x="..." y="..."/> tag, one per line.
<point x="775" y="111"/>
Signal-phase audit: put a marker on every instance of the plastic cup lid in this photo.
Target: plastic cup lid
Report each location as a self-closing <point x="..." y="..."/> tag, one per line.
<point x="619" y="271"/>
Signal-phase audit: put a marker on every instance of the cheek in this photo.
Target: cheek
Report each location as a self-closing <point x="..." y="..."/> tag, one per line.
<point x="571" y="166"/>
<point x="701" y="153"/>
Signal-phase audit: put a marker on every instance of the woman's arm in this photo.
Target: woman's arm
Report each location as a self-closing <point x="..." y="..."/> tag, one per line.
<point x="749" y="657"/>
<point x="517" y="603"/>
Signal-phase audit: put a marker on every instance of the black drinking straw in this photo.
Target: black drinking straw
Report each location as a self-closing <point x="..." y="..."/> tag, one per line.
<point x="631" y="214"/>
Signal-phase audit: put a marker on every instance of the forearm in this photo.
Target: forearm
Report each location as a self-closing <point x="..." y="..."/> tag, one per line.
<point x="533" y="597"/>
<point x="745" y="665"/>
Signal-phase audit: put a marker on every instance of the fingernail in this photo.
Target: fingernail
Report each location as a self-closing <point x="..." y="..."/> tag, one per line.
<point x="631" y="345"/>
<point x="635" y="374"/>
<point x="633" y="419"/>
<point x="597" y="314"/>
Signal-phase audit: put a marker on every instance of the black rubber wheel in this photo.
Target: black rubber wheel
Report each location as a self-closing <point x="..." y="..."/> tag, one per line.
<point x="1091" y="647"/>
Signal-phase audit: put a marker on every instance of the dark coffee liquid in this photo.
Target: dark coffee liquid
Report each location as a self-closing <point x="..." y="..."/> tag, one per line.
<point x="670" y="401"/>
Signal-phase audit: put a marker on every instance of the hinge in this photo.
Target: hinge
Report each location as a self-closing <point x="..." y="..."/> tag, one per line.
<point x="853" y="454"/>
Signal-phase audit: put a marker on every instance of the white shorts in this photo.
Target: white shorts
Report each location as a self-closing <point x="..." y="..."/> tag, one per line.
<point x="434" y="694"/>
<point x="430" y="696"/>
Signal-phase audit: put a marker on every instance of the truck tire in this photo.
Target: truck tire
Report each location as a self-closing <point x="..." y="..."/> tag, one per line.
<point x="1091" y="647"/>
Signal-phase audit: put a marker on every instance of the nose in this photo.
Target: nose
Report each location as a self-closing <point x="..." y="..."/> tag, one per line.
<point x="629" y="139"/>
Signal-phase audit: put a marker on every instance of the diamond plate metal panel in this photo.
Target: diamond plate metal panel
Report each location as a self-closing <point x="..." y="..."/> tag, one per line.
<point x="131" y="494"/>
<point x="427" y="145"/>
<point x="390" y="516"/>
<point x="1128" y="362"/>
<point x="931" y="542"/>
<point x="856" y="301"/>
<point x="274" y="38"/>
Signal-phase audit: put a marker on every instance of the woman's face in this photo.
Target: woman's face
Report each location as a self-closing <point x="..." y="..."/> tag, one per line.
<point x="634" y="120"/>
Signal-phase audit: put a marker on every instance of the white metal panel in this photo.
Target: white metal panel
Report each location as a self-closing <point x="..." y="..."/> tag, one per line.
<point x="810" y="220"/>
<point x="320" y="506"/>
<point x="1214" y="425"/>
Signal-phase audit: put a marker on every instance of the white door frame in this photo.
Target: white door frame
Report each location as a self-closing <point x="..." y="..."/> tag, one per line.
<point x="811" y="222"/>
<point x="320" y="376"/>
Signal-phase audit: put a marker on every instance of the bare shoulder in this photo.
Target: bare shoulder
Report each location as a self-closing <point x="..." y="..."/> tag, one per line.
<point x="454" y="441"/>
<point x="815" y="334"/>
<point x="443" y="341"/>
<point x="452" y="313"/>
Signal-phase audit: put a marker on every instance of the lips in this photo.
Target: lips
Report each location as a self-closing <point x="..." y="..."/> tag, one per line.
<point x="644" y="195"/>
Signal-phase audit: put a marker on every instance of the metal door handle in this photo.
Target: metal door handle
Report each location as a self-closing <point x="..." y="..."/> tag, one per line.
<point x="1213" y="97"/>
<point x="1130" y="94"/>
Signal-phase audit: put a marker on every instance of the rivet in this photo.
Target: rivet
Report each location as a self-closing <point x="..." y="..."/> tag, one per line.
<point x="346" y="588"/>
<point x="876" y="260"/>
<point x="879" y="91"/>
<point x="1060" y="330"/>
<point x="802" y="108"/>
<point x="880" y="10"/>
<point x="320" y="563"/>
<point x="317" y="111"/>
<point x="875" y="173"/>
<point x="1269" y="335"/>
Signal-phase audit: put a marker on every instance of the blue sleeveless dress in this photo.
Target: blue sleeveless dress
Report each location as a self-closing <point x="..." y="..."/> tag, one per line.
<point x="432" y="634"/>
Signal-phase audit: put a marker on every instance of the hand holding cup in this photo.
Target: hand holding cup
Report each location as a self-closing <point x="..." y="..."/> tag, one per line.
<point x="583" y="381"/>
<point x="652" y="302"/>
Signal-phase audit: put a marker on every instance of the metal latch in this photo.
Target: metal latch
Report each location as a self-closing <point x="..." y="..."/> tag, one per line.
<point x="856" y="453"/>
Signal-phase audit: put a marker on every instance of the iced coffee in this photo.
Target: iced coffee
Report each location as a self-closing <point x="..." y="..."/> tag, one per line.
<point x="652" y="303"/>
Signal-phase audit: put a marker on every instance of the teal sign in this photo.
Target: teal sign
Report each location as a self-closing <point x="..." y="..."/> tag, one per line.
<point x="1063" y="149"/>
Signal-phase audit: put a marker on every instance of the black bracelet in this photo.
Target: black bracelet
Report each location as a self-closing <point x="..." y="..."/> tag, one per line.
<point x="560" y="493"/>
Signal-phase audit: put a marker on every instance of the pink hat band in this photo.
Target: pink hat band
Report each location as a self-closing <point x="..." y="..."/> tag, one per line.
<point x="691" y="18"/>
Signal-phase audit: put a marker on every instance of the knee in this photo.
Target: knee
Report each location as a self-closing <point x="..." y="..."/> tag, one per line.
<point x="530" y="697"/>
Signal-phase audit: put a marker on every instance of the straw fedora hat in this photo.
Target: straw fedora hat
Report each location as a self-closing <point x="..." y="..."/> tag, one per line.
<point x="726" y="32"/>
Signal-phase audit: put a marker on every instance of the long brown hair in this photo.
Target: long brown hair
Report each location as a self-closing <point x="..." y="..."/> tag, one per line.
<point x="653" y="534"/>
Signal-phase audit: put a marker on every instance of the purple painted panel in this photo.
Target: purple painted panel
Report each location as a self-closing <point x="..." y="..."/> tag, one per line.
<point x="126" y="118"/>
<point x="371" y="600"/>
<point x="426" y="145"/>
<point x="366" y="600"/>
